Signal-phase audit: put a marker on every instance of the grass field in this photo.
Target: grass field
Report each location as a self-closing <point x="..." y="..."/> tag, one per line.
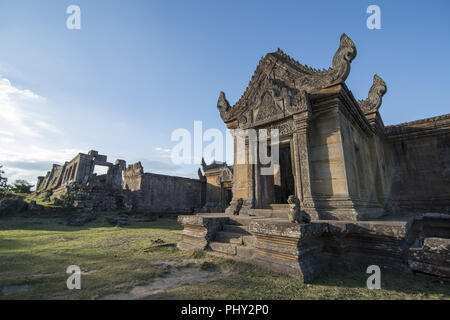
<point x="35" y="252"/>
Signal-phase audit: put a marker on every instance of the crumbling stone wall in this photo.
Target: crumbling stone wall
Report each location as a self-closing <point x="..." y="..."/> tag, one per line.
<point x="80" y="170"/>
<point x="161" y="193"/>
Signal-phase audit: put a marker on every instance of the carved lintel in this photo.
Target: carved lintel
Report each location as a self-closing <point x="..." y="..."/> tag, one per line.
<point x="376" y="93"/>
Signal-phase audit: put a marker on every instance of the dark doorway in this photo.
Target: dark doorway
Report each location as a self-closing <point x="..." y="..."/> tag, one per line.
<point x="229" y="196"/>
<point x="284" y="178"/>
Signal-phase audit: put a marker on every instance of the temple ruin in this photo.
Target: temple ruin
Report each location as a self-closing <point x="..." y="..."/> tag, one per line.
<point x="121" y="188"/>
<point x="377" y="195"/>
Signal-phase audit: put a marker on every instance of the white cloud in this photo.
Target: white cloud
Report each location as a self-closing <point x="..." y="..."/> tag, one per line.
<point x="15" y="117"/>
<point x="26" y="135"/>
<point x="163" y="150"/>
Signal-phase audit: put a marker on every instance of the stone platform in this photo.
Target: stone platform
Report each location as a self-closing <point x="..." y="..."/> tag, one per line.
<point x="304" y="250"/>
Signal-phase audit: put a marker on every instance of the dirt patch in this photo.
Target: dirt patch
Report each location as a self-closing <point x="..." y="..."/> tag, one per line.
<point x="173" y="279"/>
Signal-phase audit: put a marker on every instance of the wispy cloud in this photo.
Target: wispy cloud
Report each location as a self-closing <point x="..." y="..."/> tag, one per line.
<point x="27" y="149"/>
<point x="164" y="152"/>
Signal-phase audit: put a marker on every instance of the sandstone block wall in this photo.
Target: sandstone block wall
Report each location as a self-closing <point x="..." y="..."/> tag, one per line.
<point x="421" y="180"/>
<point x="162" y="193"/>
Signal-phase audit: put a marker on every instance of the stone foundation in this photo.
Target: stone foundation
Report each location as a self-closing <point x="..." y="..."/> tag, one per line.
<point x="305" y="250"/>
<point x="432" y="258"/>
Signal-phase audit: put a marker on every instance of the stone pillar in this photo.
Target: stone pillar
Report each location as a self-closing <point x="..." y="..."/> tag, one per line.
<point x="243" y="177"/>
<point x="301" y="142"/>
<point x="39" y="184"/>
<point x="302" y="165"/>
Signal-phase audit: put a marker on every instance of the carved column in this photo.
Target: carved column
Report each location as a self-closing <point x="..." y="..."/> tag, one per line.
<point x="301" y="149"/>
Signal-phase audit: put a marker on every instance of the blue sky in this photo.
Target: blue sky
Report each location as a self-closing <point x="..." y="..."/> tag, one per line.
<point x="138" y="70"/>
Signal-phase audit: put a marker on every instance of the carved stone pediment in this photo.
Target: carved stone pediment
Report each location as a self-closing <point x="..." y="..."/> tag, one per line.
<point x="279" y="85"/>
<point x="376" y="93"/>
<point x="272" y="101"/>
<point x="267" y="108"/>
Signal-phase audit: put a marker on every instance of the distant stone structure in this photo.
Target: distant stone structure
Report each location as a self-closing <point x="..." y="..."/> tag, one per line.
<point x="121" y="188"/>
<point x="218" y="179"/>
<point x="371" y="191"/>
<point x="80" y="170"/>
<point x="161" y="193"/>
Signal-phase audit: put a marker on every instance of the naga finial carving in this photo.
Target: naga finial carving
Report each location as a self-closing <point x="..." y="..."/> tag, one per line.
<point x="342" y="59"/>
<point x="376" y="93"/>
<point x="223" y="105"/>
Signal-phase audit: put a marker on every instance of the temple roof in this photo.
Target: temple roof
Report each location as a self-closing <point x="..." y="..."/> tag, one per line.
<point x="277" y="70"/>
<point x="213" y="165"/>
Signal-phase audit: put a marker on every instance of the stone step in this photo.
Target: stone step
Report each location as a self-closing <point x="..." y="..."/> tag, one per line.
<point x="239" y="220"/>
<point x="236" y="229"/>
<point x="245" y="252"/>
<point x="221" y="247"/>
<point x="278" y="206"/>
<point x="281" y="212"/>
<point x="249" y="241"/>
<point x="260" y="212"/>
<point x="229" y="237"/>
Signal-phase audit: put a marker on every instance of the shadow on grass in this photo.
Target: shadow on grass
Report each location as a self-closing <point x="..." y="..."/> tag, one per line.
<point x="60" y="224"/>
<point x="352" y="281"/>
<point x="408" y="283"/>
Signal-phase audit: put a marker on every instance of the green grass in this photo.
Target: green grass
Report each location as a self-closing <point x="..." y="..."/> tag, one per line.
<point x="37" y="251"/>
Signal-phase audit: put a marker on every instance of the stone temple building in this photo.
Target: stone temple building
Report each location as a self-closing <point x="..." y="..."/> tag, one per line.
<point x="336" y="155"/>
<point x="218" y="183"/>
<point x="376" y="194"/>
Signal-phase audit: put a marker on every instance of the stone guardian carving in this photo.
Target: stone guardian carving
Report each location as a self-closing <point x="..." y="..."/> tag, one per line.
<point x="295" y="215"/>
<point x="239" y="204"/>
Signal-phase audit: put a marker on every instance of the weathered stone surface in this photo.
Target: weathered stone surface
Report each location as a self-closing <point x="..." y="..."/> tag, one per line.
<point x="199" y="231"/>
<point x="227" y="248"/>
<point x="432" y="258"/>
<point x="161" y="193"/>
<point x="421" y="182"/>
<point x="283" y="228"/>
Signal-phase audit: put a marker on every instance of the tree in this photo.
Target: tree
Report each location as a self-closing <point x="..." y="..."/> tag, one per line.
<point x="4" y="187"/>
<point x="22" y="186"/>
